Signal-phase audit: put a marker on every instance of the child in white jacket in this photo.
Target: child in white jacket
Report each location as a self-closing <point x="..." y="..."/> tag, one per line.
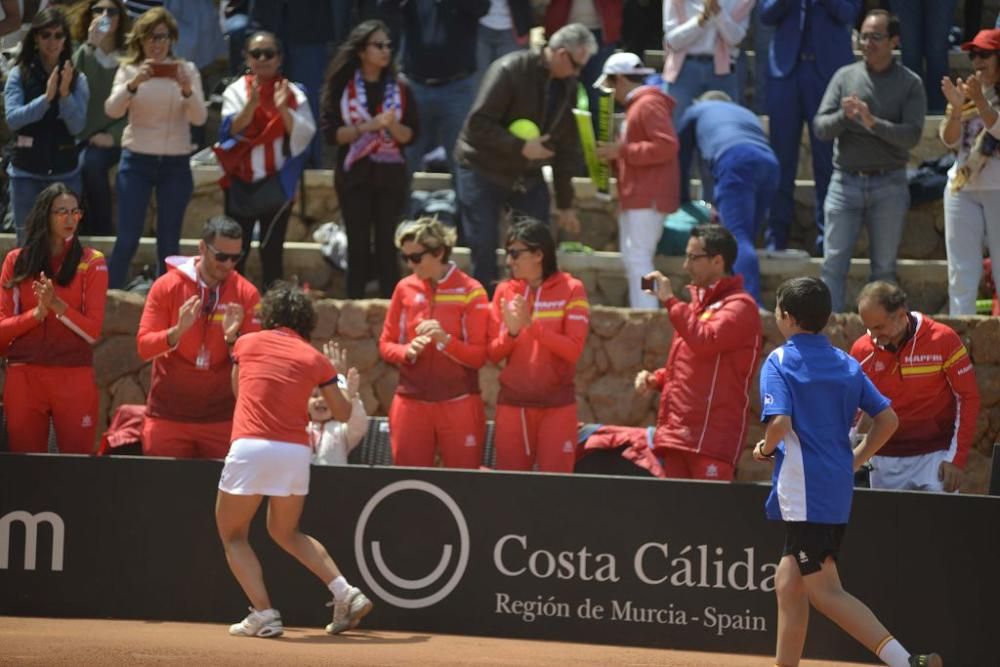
<point x="331" y="440"/>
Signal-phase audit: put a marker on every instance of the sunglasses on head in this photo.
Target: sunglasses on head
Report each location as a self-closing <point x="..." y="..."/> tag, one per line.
<point x="262" y="54"/>
<point x="51" y="34"/>
<point x="110" y="11"/>
<point x="224" y="256"/>
<point x="982" y="55"/>
<point x="414" y="257"/>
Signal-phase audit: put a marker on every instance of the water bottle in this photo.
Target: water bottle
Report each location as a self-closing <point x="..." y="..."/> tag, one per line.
<point x="103" y="25"/>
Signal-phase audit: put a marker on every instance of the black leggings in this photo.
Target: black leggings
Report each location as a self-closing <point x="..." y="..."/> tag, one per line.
<point x="272" y="240"/>
<point x="366" y="207"/>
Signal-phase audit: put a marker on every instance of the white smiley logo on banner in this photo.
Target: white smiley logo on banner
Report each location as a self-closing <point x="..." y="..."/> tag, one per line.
<point x="411" y="584"/>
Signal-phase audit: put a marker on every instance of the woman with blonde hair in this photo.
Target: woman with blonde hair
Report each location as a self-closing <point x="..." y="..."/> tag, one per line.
<point x="435" y="332"/>
<point x="162" y="96"/>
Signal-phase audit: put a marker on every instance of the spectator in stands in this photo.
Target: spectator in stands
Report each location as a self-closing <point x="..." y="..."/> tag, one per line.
<point x="873" y="110"/>
<point x="971" y="128"/>
<point x="192" y="317"/>
<point x="812" y="40"/>
<point x="435" y="332"/>
<point x="137" y="8"/>
<point x="439" y="61"/>
<point x="100" y="30"/>
<point x="924" y="369"/>
<point x="16" y="17"/>
<point x="701" y="40"/>
<point x="45" y="101"/>
<point x="497" y="168"/>
<point x="604" y="20"/>
<point x="370" y="115"/>
<point x="276" y="370"/>
<point x="745" y="171"/>
<point x="263" y="141"/>
<point x="333" y="440"/>
<point x="925" y="25"/>
<point x="162" y="96"/>
<point x="646" y="158"/>
<point x="701" y="426"/>
<point x="52" y="295"/>
<point x="504" y="29"/>
<point x="538" y="325"/>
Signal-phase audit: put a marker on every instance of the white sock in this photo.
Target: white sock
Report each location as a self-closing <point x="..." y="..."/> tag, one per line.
<point x="893" y="654"/>
<point x="339" y="588"/>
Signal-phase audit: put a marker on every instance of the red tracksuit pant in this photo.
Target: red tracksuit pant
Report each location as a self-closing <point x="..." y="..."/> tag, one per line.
<point x="536" y="438"/>
<point x="68" y="394"/>
<point x="455" y="428"/>
<point x="185" y="440"/>
<point x="678" y="464"/>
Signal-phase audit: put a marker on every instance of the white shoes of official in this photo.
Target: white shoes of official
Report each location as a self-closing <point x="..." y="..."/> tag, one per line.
<point x="348" y="612"/>
<point x="266" y="623"/>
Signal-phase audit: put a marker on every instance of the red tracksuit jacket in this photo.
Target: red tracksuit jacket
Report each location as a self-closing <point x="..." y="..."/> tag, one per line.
<point x="932" y="386"/>
<point x="55" y="341"/>
<point x="705" y="382"/>
<point x="541" y="359"/>
<point x="178" y="389"/>
<point x="440" y="373"/>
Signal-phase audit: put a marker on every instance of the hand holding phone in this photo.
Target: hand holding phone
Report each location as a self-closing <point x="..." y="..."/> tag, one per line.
<point x="648" y="284"/>
<point x="163" y="70"/>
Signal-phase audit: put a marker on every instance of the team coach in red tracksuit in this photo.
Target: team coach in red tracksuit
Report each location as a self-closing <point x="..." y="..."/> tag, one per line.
<point x="538" y="324"/>
<point x="51" y="312"/>
<point x="702" y="422"/>
<point x="190" y="322"/>
<point x="435" y="331"/>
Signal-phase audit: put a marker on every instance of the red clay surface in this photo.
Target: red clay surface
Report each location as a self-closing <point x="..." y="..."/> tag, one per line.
<point x="44" y="641"/>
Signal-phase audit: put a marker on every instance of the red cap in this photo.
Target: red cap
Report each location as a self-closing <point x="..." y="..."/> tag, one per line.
<point x="985" y="40"/>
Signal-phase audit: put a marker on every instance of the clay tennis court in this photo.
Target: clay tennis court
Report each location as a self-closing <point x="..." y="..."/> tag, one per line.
<point x="47" y="641"/>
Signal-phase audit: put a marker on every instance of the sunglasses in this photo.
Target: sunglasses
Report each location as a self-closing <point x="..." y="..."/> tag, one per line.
<point x="414" y="257"/>
<point x="262" y="54"/>
<point x="982" y="55"/>
<point x="51" y="34"/>
<point x="514" y="253"/>
<point x="63" y="213"/>
<point x="110" y="11"/>
<point x="577" y="67"/>
<point x="159" y="37"/>
<point x="381" y="46"/>
<point x="224" y="256"/>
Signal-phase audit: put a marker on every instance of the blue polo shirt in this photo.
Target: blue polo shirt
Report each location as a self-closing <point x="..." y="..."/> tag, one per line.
<point x="821" y="388"/>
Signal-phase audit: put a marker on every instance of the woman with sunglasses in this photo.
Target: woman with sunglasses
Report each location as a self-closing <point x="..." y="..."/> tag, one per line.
<point x="971" y="128"/>
<point x="100" y="31"/>
<point x="538" y="325"/>
<point x="162" y="97"/>
<point x="370" y="115"/>
<point x="435" y="332"/>
<point x="52" y="296"/>
<point x="264" y="140"/>
<point x="46" y="106"/>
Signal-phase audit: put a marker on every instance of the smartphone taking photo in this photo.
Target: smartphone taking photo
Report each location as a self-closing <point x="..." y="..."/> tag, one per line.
<point x="648" y="284"/>
<point x="164" y="70"/>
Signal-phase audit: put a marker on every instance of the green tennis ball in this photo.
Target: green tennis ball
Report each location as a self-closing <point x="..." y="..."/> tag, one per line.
<point x="522" y="128"/>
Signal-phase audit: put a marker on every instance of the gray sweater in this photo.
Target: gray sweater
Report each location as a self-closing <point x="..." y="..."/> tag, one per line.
<point x="897" y="100"/>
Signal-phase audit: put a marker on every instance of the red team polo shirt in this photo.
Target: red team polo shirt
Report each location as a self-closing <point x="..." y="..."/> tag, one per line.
<point x="278" y="371"/>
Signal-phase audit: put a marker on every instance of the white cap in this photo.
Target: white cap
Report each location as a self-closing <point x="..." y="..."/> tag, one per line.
<point x="621" y="63"/>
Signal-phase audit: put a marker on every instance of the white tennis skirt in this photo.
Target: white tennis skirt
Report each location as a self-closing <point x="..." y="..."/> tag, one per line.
<point x="255" y="466"/>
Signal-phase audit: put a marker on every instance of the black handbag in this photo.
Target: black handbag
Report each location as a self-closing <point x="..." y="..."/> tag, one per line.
<point x="257" y="199"/>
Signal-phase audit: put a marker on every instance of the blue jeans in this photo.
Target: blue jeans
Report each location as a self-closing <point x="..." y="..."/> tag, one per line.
<point x="138" y="174"/>
<point x="481" y="203"/>
<point x="25" y="189"/>
<point x="304" y="64"/>
<point x="491" y="45"/>
<point x="442" y="112"/>
<point x="591" y="72"/>
<point x="97" y="198"/>
<point x="762" y="36"/>
<point x="924" y="26"/>
<point x="878" y="202"/>
<point x="697" y="76"/>
<point x="746" y="179"/>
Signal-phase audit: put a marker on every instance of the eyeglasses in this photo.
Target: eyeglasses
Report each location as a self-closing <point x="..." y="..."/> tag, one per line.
<point x="692" y="257"/>
<point x="514" y="253"/>
<point x="577" y="66"/>
<point x="110" y="11"/>
<point x="414" y="257"/>
<point x="262" y="54"/>
<point x="872" y="37"/>
<point x="381" y="46"/>
<point x="224" y="256"/>
<point x="63" y="213"/>
<point x="159" y="37"/>
<point x="982" y="55"/>
<point x="51" y="34"/>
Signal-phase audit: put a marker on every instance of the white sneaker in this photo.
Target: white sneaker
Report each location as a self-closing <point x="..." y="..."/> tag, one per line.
<point x="348" y="612"/>
<point x="265" y="623"/>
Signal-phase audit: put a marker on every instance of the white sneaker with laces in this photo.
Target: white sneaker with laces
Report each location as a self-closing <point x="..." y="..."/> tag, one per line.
<point x="266" y="623"/>
<point x="348" y="612"/>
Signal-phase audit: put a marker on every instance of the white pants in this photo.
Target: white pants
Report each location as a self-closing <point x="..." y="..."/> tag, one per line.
<point x="909" y="473"/>
<point x="968" y="217"/>
<point x="639" y="231"/>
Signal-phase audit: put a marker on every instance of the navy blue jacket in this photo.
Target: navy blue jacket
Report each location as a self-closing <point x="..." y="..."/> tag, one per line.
<point x="825" y="34"/>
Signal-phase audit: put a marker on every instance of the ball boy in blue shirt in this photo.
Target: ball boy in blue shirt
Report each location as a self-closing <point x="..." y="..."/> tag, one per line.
<point x="810" y="394"/>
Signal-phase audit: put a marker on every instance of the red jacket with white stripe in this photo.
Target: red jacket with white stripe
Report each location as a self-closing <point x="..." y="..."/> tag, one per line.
<point x="65" y="340"/>
<point x="541" y="359"/>
<point x="441" y="372"/>
<point x="179" y="390"/>
<point x="932" y="386"/>
<point x="704" y="405"/>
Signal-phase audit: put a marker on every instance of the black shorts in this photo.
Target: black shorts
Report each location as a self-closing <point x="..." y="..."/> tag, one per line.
<point x="811" y="543"/>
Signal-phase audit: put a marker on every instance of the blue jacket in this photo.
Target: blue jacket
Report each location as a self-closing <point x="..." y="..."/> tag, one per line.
<point x="827" y="34"/>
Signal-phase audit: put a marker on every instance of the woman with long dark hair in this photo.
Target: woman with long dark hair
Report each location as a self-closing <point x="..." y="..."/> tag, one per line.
<point x="100" y="31"/>
<point x="370" y="115"/>
<point x="46" y="107"/>
<point x="52" y="295"/>
<point x="538" y="324"/>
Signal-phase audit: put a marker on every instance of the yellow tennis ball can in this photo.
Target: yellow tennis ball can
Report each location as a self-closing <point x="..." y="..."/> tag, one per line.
<point x="522" y="128"/>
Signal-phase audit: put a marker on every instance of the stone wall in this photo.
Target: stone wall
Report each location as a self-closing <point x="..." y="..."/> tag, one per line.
<point x="621" y="342"/>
